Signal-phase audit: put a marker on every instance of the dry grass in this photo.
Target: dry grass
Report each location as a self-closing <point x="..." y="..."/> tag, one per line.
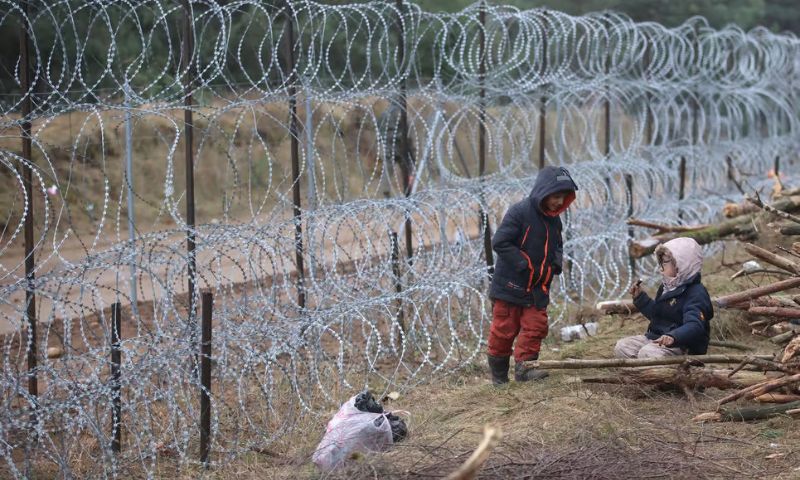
<point x="562" y="428"/>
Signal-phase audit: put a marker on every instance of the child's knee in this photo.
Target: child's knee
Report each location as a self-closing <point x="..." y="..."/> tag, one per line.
<point x="625" y="348"/>
<point x="652" y="351"/>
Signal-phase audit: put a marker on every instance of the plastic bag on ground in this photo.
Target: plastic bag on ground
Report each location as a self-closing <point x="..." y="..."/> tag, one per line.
<point x="352" y="430"/>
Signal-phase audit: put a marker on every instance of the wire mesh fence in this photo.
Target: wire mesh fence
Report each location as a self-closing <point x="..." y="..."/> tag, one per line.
<point x="330" y="174"/>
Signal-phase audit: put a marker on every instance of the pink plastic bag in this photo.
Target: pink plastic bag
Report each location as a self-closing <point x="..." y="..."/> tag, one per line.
<point x="349" y="431"/>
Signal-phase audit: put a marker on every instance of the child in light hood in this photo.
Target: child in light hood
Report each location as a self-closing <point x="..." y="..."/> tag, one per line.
<point x="680" y="313"/>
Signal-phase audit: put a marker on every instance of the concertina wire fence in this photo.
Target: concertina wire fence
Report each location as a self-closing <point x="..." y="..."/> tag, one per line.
<point x="370" y="147"/>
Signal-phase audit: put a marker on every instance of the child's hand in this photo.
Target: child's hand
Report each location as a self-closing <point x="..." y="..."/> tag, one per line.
<point x="636" y="289"/>
<point x="664" y="341"/>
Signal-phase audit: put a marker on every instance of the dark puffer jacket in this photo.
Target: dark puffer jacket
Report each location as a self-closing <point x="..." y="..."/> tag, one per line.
<point x="529" y="245"/>
<point x="683" y="314"/>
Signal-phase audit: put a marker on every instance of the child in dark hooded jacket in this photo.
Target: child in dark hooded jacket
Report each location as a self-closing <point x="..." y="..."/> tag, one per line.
<point x="680" y="313"/>
<point x="529" y="253"/>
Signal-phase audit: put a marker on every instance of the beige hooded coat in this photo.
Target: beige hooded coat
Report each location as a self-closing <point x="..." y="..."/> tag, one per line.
<point x="688" y="256"/>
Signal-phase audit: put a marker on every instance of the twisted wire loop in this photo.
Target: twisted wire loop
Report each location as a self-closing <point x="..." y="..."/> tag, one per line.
<point x="691" y="95"/>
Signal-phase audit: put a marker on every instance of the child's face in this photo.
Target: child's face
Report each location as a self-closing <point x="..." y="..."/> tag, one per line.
<point x="668" y="267"/>
<point x="554" y="202"/>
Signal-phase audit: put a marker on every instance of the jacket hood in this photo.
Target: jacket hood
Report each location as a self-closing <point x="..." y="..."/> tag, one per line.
<point x="688" y="257"/>
<point x="551" y="180"/>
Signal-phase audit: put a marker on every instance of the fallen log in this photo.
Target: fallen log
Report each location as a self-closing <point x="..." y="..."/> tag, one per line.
<point x="777" y="398"/>
<point x="732" y="210"/>
<point x="733" y="345"/>
<point x="789" y="203"/>
<point x="737" y="225"/>
<point x="576" y="364"/>
<point x="757" y="292"/>
<point x="682" y="378"/>
<point x="776" y="312"/>
<point x="641" y="248"/>
<point x="763" y="302"/>
<point x="790" y="230"/>
<point x="761" y="388"/>
<point x="773" y="209"/>
<point x="763" y="365"/>
<point x="743" y="414"/>
<point x="769" y="257"/>
<point x="782" y="338"/>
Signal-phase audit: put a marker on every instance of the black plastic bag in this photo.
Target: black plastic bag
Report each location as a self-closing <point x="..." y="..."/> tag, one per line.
<point x="367" y="403"/>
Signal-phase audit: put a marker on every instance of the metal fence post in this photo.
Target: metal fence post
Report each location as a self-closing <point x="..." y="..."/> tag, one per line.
<point x="295" y="150"/>
<point x="188" y="125"/>
<point x="629" y="190"/>
<point x="484" y="217"/>
<point x="543" y="104"/>
<point x="405" y="162"/>
<point x="116" y="363"/>
<point x="129" y="187"/>
<point x="27" y="180"/>
<point x="607" y="106"/>
<point x="398" y="285"/>
<point x="205" y="379"/>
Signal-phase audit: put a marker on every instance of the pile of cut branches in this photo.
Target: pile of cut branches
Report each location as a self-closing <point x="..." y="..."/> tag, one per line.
<point x="771" y="312"/>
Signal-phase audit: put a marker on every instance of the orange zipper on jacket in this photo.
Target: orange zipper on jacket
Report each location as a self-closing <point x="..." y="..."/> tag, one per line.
<point x="546" y="279"/>
<point x="544" y="258"/>
<point x="530" y="264"/>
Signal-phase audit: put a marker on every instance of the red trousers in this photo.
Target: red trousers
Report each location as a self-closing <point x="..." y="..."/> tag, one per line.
<point x="527" y="324"/>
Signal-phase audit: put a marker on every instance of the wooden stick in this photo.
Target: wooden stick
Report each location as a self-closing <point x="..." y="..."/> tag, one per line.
<point x="679" y="377"/>
<point x="733" y="345"/>
<point x="790" y="230"/>
<point x="747" y="413"/>
<point x="468" y="470"/>
<point x="571" y="364"/>
<point x="782" y="338"/>
<point x="641" y="248"/>
<point x="777" y="398"/>
<point x="761" y="388"/>
<point x="770" y="257"/>
<point x="757" y="292"/>
<point x="769" y="208"/>
<point x="663" y="228"/>
<point x="785" y="302"/>
<point x="780" y="312"/>
<point x="766" y="365"/>
<point x="732" y="210"/>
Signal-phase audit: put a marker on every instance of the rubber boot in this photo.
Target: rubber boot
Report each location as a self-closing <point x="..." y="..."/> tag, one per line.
<point x="499" y="368"/>
<point x="527" y="374"/>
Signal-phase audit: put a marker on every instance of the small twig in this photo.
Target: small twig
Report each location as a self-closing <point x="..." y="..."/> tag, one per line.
<point x="740" y="366"/>
<point x="468" y="469"/>
<point x="786" y="250"/>
<point x="766" y="271"/>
